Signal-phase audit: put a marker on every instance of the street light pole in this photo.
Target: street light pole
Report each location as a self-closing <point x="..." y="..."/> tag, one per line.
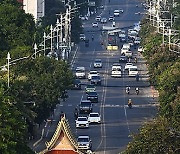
<point x="35" y="49"/>
<point x="44" y="44"/>
<point x="8" y="58"/>
<point x="51" y="38"/>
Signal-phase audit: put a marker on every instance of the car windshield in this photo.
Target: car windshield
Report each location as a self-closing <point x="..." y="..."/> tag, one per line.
<point x="93" y="73"/>
<point x="94" y="115"/>
<point x="92" y="94"/>
<point x="85" y="103"/>
<point x="80" y="71"/>
<point x="90" y="86"/>
<point x="116" y="69"/>
<point x="129" y="64"/>
<point x="83" y="139"/>
<point x="82" y="119"/>
<point x="97" y="61"/>
<point x="95" y="77"/>
<point x="133" y="69"/>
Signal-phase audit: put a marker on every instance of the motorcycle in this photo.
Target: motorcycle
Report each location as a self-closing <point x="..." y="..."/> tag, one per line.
<point x="137" y="91"/>
<point x="127" y="90"/>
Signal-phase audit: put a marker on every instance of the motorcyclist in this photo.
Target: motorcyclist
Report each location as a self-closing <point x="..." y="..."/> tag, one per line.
<point x="130" y="103"/>
<point x="137" y="90"/>
<point x="76" y="113"/>
<point x="128" y="90"/>
<point x="92" y="37"/>
<point x="135" y="59"/>
<point x="137" y="77"/>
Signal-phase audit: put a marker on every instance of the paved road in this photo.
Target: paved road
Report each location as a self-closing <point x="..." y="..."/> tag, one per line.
<point x="118" y="121"/>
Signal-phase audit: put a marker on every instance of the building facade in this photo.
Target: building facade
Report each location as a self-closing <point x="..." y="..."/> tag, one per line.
<point x="34" y="7"/>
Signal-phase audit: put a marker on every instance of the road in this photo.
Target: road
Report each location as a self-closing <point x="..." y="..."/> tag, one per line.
<point x="118" y="121"/>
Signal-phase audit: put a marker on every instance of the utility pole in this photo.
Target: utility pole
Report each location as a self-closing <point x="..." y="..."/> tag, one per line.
<point x="51" y="38"/>
<point x="35" y="49"/>
<point x="8" y="59"/>
<point x="44" y="44"/>
<point x="169" y="39"/>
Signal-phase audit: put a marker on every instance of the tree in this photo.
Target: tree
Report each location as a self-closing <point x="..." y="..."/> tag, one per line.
<point x="12" y="127"/>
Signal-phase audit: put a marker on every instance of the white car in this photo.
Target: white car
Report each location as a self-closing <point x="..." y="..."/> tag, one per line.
<point x="126" y="45"/>
<point x="116" y="70"/>
<point x="82" y="122"/>
<point x="82" y="37"/>
<point x="111" y="18"/>
<point x="124" y="50"/>
<point x="133" y="71"/>
<point x="92" y="73"/>
<point x="103" y="20"/>
<point x="98" y="18"/>
<point x="116" y="13"/>
<point x="95" y="24"/>
<point x="84" y="142"/>
<point x="140" y="49"/>
<point x="128" y="54"/>
<point x="94" y="118"/>
<point x="128" y="65"/>
<point x="97" y="63"/>
<point x="137" y="40"/>
<point x="80" y="72"/>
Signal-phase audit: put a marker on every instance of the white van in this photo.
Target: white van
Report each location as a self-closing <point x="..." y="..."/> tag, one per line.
<point x="133" y="71"/>
<point x="116" y="70"/>
<point x="80" y="72"/>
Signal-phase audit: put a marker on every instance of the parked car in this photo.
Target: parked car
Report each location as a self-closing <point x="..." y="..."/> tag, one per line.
<point x="85" y="106"/>
<point x="97" y="63"/>
<point x="96" y="80"/>
<point x="82" y="122"/>
<point x="94" y="118"/>
<point x="92" y="96"/>
<point x="84" y="142"/>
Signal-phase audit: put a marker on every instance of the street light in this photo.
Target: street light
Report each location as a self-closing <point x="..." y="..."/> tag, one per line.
<point x="8" y="58"/>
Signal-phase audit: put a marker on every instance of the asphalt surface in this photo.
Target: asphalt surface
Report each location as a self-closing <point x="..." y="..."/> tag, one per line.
<point x="118" y="121"/>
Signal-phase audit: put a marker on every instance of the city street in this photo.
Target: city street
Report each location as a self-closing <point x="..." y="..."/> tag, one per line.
<point x="118" y="121"/>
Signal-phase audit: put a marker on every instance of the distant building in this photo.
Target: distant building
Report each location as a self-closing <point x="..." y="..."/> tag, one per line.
<point x="34" y="7"/>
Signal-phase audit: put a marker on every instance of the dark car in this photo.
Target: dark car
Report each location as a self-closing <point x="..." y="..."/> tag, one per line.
<point x="87" y="43"/>
<point x="85" y="106"/>
<point x="93" y="97"/>
<point x="123" y="59"/>
<point x="96" y="80"/>
<point x="76" y="84"/>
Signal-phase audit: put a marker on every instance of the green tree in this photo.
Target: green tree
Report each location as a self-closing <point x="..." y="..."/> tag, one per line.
<point x="12" y="127"/>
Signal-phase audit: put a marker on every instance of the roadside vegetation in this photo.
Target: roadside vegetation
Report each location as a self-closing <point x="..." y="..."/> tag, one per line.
<point x="36" y="84"/>
<point x="162" y="134"/>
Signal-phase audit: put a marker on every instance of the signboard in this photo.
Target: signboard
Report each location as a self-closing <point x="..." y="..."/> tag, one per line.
<point x="92" y="3"/>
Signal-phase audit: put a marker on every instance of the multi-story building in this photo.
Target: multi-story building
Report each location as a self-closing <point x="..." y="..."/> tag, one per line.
<point x="34" y="7"/>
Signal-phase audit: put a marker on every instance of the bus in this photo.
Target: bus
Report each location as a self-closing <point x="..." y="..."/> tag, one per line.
<point x="112" y="43"/>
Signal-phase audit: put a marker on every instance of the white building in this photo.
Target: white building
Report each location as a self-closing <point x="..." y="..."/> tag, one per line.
<point x="34" y="7"/>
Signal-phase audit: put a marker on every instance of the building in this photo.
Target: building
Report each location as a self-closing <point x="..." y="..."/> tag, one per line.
<point x="34" y="7"/>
